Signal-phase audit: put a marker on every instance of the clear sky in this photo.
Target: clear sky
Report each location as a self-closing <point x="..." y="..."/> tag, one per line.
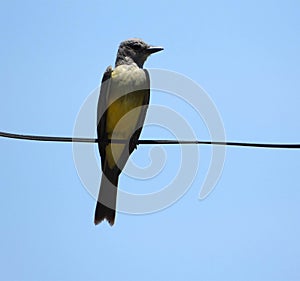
<point x="245" y="54"/>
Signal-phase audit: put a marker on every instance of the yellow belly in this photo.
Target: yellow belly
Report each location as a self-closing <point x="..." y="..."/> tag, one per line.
<point x="122" y="115"/>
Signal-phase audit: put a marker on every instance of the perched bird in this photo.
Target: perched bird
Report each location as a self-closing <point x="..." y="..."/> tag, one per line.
<point x="122" y="105"/>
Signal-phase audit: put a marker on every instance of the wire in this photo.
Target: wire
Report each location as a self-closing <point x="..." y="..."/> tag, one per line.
<point x="153" y="142"/>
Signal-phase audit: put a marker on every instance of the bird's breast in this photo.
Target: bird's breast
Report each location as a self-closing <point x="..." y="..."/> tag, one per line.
<point x="127" y="79"/>
<point x="126" y="93"/>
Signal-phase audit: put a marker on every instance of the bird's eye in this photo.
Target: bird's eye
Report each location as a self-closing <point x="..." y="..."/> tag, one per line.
<point x="136" y="47"/>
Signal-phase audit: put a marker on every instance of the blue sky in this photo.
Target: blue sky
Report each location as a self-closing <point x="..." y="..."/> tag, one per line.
<point x="245" y="54"/>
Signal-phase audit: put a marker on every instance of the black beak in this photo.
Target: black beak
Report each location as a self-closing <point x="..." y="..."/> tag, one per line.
<point x="153" y="49"/>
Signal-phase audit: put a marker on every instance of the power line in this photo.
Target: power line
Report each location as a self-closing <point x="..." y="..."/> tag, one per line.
<point x="153" y="142"/>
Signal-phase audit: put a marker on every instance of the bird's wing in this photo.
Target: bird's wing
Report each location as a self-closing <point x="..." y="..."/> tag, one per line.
<point x="102" y="113"/>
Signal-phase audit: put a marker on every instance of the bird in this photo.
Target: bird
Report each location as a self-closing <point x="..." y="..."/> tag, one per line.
<point x="121" y="111"/>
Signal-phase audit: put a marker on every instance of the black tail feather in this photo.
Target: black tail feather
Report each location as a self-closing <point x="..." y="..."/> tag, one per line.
<point x="102" y="212"/>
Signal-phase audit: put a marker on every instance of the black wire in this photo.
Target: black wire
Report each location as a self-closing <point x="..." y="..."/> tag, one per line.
<point x="92" y="140"/>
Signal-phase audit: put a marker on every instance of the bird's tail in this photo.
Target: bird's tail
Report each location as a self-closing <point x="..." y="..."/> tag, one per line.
<point x="107" y="199"/>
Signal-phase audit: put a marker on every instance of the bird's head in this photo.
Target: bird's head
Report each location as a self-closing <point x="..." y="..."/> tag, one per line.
<point x="135" y="50"/>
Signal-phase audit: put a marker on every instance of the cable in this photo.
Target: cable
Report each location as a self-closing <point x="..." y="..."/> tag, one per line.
<point x="153" y="142"/>
<point x="45" y="138"/>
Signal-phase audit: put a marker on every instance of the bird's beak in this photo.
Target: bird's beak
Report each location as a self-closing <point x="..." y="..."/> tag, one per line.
<point x="153" y="49"/>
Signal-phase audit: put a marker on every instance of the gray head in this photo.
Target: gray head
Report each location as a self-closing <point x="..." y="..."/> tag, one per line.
<point x="135" y="51"/>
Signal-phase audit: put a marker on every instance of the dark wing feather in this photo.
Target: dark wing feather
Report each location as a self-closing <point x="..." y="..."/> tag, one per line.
<point x="101" y="112"/>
